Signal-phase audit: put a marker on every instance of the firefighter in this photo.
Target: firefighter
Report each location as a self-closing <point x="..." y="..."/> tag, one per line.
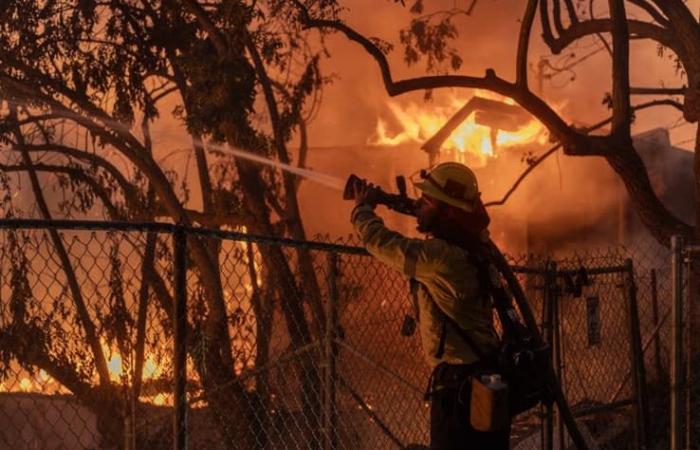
<point x="445" y="281"/>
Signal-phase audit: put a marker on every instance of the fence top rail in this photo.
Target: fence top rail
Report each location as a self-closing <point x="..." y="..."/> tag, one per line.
<point x="602" y="270"/>
<point x="161" y="227"/>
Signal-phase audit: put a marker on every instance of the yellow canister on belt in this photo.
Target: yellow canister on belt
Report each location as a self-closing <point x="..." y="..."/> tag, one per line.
<point x="489" y="403"/>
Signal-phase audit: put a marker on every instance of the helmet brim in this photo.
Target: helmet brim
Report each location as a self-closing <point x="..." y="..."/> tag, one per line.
<point x="430" y="190"/>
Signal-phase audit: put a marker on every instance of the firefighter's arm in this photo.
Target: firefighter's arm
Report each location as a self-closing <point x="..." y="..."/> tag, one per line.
<point x="413" y="257"/>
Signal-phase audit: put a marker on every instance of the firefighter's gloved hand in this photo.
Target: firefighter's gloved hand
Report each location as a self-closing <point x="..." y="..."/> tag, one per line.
<point x="365" y="193"/>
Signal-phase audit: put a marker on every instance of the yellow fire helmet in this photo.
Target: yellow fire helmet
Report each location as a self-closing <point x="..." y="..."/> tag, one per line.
<point x="452" y="183"/>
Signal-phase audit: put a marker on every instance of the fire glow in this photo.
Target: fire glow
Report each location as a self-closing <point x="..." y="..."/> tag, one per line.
<point x="418" y="123"/>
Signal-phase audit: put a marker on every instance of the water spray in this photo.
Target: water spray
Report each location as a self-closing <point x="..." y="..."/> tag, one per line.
<point x="327" y="180"/>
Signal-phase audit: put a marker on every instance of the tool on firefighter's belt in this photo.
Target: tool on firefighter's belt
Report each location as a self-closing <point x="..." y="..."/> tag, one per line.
<point x="400" y="202"/>
<point x="488" y="409"/>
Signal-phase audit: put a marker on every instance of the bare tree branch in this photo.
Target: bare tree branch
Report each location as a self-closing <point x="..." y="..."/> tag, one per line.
<point x="687" y="33"/>
<point x="303" y="149"/>
<point x="622" y="113"/>
<point x="547" y="34"/>
<point x="637" y="29"/>
<point x="524" y="44"/>
<point x="556" y="13"/>
<point x="571" y="10"/>
<point x="657" y="91"/>
<point x="652" y="11"/>
<point x="599" y="35"/>
<point x="531" y="167"/>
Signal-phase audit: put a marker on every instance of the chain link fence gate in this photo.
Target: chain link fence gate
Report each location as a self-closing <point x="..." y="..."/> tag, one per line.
<point x="318" y="366"/>
<point x="590" y="318"/>
<point x="685" y="279"/>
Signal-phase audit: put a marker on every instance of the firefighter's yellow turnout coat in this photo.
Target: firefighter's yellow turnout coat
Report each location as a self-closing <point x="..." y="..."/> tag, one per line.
<point x="446" y="277"/>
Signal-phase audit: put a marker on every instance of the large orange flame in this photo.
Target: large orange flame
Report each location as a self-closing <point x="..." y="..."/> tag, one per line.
<point x="418" y="123"/>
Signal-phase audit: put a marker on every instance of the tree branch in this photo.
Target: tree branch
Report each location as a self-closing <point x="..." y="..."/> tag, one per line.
<point x="599" y="35"/>
<point x="203" y="19"/>
<point x="687" y="33"/>
<point x="197" y="141"/>
<point x="652" y="11"/>
<point x="303" y="149"/>
<point x="147" y="274"/>
<point x="638" y="29"/>
<point x="129" y="189"/>
<point x="531" y="167"/>
<point x="292" y="205"/>
<point x="657" y="91"/>
<point x="524" y="44"/>
<point x="571" y="10"/>
<point x="622" y="114"/>
<point x="547" y="34"/>
<point x="79" y="99"/>
<point x="556" y="13"/>
<point x="83" y="314"/>
<point x="76" y="174"/>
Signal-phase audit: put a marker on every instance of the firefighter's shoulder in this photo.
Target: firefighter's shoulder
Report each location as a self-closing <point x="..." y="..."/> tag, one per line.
<point x="439" y="249"/>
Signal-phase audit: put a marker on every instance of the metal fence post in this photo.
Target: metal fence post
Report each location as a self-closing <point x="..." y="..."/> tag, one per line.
<point x="558" y="360"/>
<point x="548" y="325"/>
<point x="688" y="350"/>
<point x="676" y="342"/>
<point x="637" y="360"/>
<point x="180" y="350"/>
<point x="329" y="349"/>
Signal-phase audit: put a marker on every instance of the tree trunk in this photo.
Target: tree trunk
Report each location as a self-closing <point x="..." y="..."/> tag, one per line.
<point x="653" y="214"/>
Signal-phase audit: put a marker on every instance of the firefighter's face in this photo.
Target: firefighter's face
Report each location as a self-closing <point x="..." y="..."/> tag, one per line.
<point x="427" y="210"/>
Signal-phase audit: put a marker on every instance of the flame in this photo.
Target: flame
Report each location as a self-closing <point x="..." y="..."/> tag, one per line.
<point x="119" y="369"/>
<point x="44" y="377"/>
<point x="114" y="365"/>
<point x="419" y="123"/>
<point x="25" y="385"/>
<point x="151" y="369"/>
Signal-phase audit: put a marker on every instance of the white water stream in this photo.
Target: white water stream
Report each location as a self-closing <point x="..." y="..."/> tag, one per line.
<point x="318" y="177"/>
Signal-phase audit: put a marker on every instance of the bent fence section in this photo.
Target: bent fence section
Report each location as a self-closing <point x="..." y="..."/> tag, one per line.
<point x="116" y="335"/>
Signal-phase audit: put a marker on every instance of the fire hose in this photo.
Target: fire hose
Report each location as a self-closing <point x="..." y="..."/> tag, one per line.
<point x="403" y="204"/>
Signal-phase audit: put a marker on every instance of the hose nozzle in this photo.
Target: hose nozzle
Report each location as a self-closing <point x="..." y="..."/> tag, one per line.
<point x="349" y="192"/>
<point x="400" y="203"/>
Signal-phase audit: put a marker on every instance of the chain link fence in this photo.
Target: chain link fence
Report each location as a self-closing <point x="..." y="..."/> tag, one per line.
<point x="288" y="345"/>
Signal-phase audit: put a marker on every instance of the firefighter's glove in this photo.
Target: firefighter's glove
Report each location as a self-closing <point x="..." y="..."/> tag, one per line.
<point x="365" y="193"/>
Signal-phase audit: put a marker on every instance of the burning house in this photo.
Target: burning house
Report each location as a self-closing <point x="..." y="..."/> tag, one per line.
<point x="564" y="204"/>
